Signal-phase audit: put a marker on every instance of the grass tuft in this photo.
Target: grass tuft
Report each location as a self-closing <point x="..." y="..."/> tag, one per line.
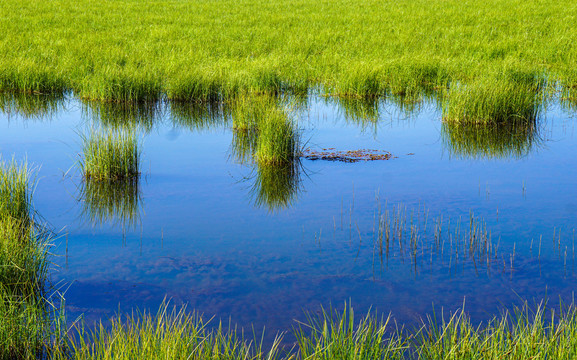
<point x="110" y="155"/>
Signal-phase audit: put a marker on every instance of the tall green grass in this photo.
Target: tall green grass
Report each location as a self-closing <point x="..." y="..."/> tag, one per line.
<point x="110" y="155"/>
<point x="26" y="321"/>
<point x="525" y="333"/>
<point x="278" y="140"/>
<point x="134" y="50"/>
<point x="170" y="334"/>
<point x="15" y="192"/>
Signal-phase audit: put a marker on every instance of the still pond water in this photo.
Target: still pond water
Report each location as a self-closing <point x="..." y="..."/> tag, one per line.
<point x="260" y="249"/>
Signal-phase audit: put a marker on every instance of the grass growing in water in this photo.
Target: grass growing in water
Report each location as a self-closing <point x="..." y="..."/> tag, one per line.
<point x="278" y="140"/>
<point x="26" y="326"/>
<point x="110" y="155"/>
<point x="495" y="100"/>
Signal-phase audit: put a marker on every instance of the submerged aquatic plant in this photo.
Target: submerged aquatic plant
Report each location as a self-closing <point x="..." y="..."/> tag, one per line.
<point x="110" y="155"/>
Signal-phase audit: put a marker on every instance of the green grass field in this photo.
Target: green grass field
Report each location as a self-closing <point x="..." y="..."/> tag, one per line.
<point x="207" y="50"/>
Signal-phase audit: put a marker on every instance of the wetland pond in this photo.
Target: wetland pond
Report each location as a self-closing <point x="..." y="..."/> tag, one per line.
<point x="478" y="216"/>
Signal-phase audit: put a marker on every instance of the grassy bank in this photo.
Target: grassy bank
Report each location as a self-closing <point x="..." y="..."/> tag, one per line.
<point x="527" y="332"/>
<point x="209" y="50"/>
<point x="26" y="322"/>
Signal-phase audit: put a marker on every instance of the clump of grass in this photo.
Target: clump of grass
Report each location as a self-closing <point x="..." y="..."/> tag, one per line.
<point x="522" y="334"/>
<point x="15" y="192"/>
<point x="250" y="111"/>
<point x="491" y="100"/>
<point x="110" y="155"/>
<point x="278" y="140"/>
<point x="25" y="322"/>
<point x="340" y="336"/>
<point x="276" y="187"/>
<point x="108" y="200"/>
<point x="170" y="334"/>
<point x="474" y="140"/>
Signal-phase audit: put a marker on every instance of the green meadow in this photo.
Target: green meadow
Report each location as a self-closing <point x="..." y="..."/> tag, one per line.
<point x="130" y="50"/>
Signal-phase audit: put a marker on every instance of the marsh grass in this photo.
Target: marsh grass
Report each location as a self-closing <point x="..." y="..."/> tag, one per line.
<point x="276" y="187"/>
<point x="169" y="49"/>
<point x="495" y="100"/>
<point x="250" y="111"/>
<point x="110" y="155"/>
<point x="15" y="191"/>
<point x="333" y="335"/>
<point x="26" y="322"/>
<point x="113" y="201"/>
<point x="169" y="334"/>
<point x="401" y="233"/>
<point x="30" y="106"/>
<point x="505" y="140"/>
<point x="278" y="140"/>
<point x="524" y="333"/>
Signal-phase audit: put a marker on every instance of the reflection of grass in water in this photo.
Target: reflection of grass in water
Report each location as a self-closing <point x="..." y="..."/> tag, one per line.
<point x="31" y="106"/>
<point x="123" y="115"/>
<point x="110" y="155"/>
<point x="108" y="200"/>
<point x="198" y="115"/>
<point x="361" y="111"/>
<point x="514" y="139"/>
<point x="244" y="144"/>
<point x="276" y="187"/>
